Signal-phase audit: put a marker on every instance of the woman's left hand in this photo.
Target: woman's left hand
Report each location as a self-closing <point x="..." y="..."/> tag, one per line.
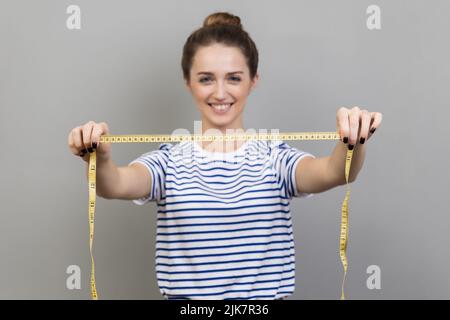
<point x="356" y="125"/>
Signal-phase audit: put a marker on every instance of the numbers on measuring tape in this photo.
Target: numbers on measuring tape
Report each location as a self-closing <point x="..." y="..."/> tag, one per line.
<point x="196" y="137"/>
<point x="180" y="138"/>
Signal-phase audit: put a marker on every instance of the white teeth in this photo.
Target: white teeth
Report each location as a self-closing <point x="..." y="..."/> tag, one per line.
<point x="221" y="107"/>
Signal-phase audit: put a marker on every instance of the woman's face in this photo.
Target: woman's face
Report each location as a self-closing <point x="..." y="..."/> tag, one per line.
<point x="220" y="84"/>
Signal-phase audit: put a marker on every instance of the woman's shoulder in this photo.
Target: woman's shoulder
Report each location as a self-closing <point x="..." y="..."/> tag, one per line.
<point x="275" y="145"/>
<point x="166" y="146"/>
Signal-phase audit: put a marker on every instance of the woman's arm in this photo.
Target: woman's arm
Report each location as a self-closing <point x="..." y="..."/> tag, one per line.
<point x="123" y="183"/>
<point x="318" y="175"/>
<point x="321" y="174"/>
<point x="337" y="161"/>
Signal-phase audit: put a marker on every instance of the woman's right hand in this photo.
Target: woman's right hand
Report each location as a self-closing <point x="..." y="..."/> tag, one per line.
<point x="85" y="139"/>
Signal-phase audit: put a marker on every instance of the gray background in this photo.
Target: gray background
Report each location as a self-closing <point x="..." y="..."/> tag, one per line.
<point x="123" y="67"/>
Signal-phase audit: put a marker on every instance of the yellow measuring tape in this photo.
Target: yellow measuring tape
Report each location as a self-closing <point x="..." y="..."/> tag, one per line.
<point x="196" y="137"/>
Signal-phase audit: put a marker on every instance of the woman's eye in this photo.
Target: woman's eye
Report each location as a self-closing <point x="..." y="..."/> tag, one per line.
<point x="234" y="79"/>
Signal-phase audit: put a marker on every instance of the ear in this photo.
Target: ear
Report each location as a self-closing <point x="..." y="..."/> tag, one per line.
<point x="255" y="81"/>
<point x="188" y="86"/>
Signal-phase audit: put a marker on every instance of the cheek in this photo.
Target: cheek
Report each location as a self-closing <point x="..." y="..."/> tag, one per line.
<point x="243" y="89"/>
<point x="195" y="89"/>
<point x="201" y="94"/>
<point x="240" y="93"/>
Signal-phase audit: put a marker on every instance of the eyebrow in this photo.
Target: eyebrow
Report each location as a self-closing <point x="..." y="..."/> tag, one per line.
<point x="210" y="73"/>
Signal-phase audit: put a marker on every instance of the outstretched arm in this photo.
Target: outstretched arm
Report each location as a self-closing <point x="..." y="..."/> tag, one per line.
<point x="321" y="174"/>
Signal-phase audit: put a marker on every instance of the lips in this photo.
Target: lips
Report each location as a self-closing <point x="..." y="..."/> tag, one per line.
<point x="221" y="108"/>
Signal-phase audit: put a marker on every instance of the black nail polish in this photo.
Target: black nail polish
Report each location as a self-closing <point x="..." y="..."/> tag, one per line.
<point x="362" y="140"/>
<point x="84" y="151"/>
<point x="94" y="145"/>
<point x="90" y="150"/>
<point x="373" y="130"/>
<point x="345" y="139"/>
<point x="350" y="147"/>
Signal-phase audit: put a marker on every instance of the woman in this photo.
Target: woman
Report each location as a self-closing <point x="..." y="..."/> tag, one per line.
<point x="224" y="224"/>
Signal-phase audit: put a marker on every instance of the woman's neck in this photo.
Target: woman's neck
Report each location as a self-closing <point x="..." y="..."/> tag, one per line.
<point x="222" y="146"/>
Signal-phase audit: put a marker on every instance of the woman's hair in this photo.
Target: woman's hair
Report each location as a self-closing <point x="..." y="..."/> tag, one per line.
<point x="224" y="28"/>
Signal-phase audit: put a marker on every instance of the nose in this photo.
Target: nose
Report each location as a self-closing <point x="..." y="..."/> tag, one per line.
<point x="220" y="91"/>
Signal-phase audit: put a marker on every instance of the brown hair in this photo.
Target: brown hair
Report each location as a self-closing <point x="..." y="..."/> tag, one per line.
<point x="225" y="28"/>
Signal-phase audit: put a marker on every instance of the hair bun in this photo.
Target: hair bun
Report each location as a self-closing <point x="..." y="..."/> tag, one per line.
<point x="220" y="18"/>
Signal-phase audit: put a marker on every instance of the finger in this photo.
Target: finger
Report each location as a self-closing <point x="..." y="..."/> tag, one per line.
<point x="78" y="140"/>
<point x="71" y="143"/>
<point x="354" y="126"/>
<point x="87" y="133"/>
<point x="372" y="118"/>
<point x="98" y="130"/>
<point x="343" y="124"/>
<point x="364" y="126"/>
<point x="377" y="117"/>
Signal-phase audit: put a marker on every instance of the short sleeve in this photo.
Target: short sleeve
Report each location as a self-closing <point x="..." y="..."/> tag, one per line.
<point x="156" y="163"/>
<point x="285" y="160"/>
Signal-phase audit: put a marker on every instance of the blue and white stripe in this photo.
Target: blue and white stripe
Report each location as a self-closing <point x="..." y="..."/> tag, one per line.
<point x="224" y="222"/>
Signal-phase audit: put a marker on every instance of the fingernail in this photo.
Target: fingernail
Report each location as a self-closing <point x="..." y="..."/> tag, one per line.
<point x="94" y="145"/>
<point x="373" y="130"/>
<point x="90" y="150"/>
<point x="350" y="147"/>
<point x="345" y="139"/>
<point x="82" y="153"/>
<point x="362" y="140"/>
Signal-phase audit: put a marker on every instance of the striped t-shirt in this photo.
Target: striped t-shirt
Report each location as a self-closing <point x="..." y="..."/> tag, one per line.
<point x="224" y="227"/>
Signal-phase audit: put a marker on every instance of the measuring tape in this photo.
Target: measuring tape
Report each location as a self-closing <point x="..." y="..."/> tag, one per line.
<point x="197" y="137"/>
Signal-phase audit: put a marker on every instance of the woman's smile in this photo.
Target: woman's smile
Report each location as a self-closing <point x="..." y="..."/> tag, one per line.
<point x="221" y="108"/>
<point x="220" y="82"/>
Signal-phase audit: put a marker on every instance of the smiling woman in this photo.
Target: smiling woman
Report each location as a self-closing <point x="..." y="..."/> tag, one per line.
<point x="219" y="64"/>
<point x="220" y="83"/>
<point x="224" y="227"/>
